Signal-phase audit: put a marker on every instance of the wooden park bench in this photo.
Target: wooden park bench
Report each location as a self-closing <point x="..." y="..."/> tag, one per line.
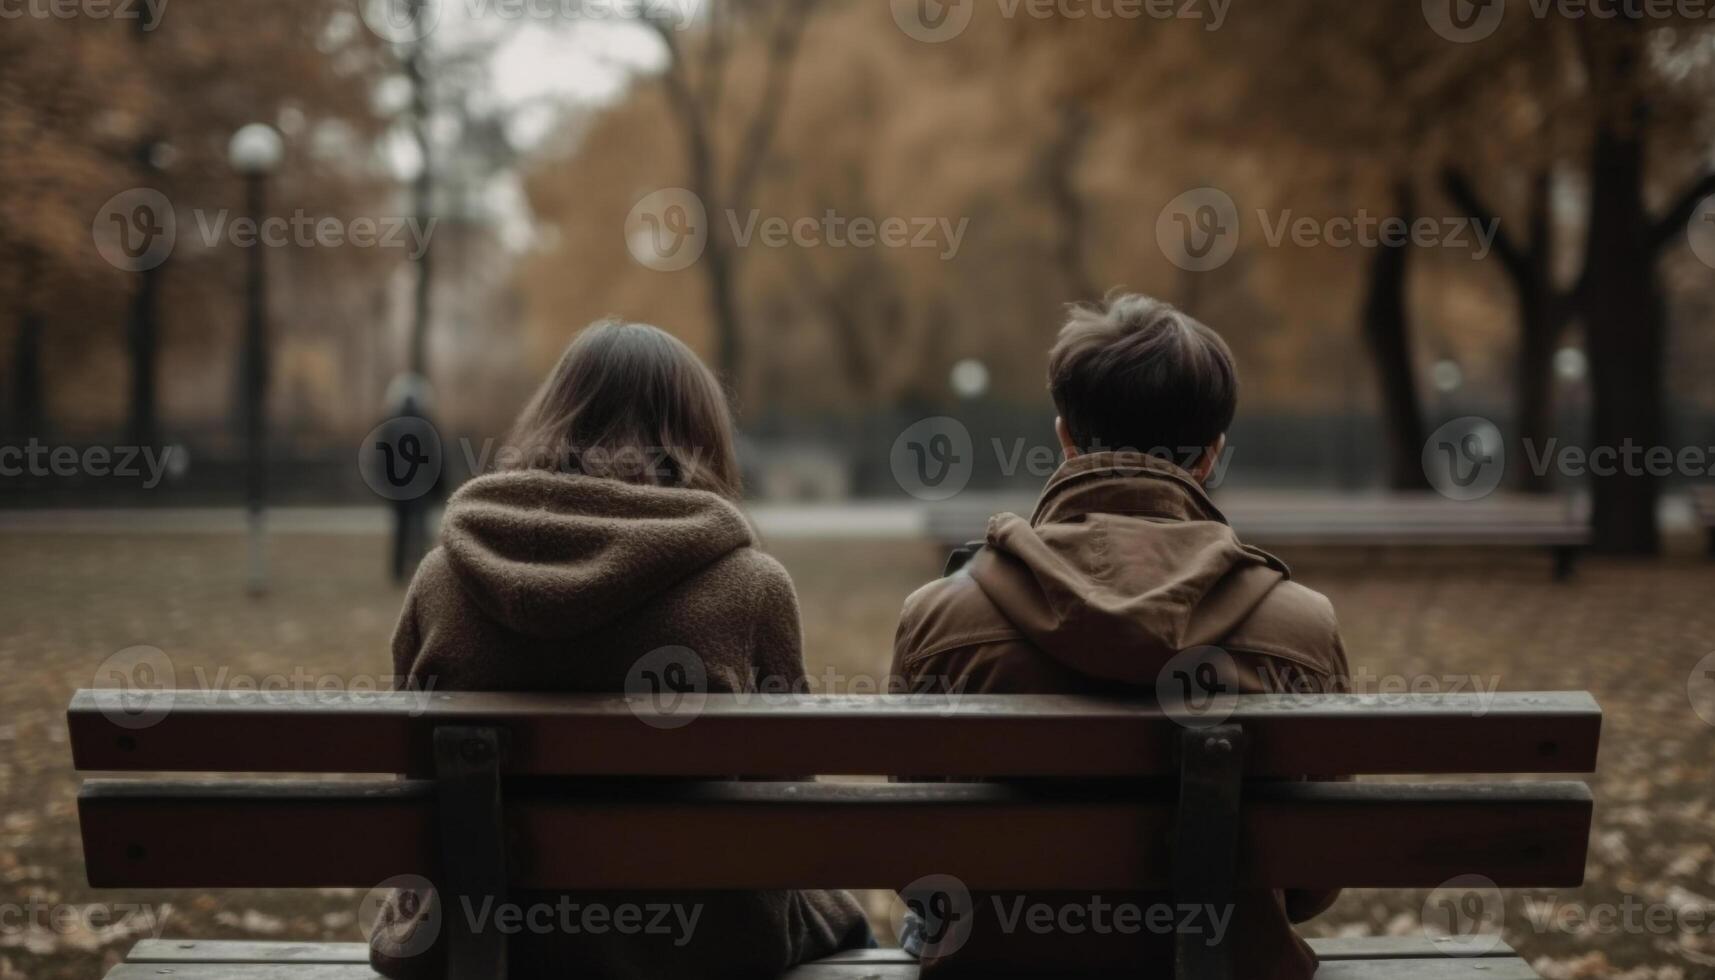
<point x="1228" y="812"/>
<point x="1396" y="520"/>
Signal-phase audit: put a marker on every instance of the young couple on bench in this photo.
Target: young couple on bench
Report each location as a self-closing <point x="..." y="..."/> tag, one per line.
<point x="618" y="532"/>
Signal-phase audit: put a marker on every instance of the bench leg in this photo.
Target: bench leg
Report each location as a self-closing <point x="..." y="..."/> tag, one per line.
<point x="1565" y="563"/>
<point x="1712" y="541"/>
<point x="1206" y="842"/>
<point x="473" y="848"/>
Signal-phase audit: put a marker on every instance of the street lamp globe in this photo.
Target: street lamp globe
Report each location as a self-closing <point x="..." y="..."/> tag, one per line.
<point x="970" y="378"/>
<point x="1447" y="376"/>
<point x="255" y="150"/>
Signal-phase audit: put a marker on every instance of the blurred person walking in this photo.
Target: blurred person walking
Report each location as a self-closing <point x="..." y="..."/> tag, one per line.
<point x="408" y="417"/>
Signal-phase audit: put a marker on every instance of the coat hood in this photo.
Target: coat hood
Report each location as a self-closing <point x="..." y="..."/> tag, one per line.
<point x="552" y="555"/>
<point x="1124" y="563"/>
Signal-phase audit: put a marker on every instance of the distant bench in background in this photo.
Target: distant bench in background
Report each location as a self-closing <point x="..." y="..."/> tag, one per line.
<point x="1294" y="519"/>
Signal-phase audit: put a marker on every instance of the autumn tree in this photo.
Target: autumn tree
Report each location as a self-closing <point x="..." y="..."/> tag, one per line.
<point x="724" y="173"/>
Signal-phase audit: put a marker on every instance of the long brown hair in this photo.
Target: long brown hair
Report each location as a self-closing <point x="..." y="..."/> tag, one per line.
<point x="630" y="402"/>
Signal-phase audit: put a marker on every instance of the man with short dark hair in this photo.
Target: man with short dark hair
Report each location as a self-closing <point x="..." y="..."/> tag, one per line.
<point x="1125" y="569"/>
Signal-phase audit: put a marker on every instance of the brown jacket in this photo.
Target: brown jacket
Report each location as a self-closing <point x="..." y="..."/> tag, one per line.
<point x="546" y="582"/>
<point x="1124" y="564"/>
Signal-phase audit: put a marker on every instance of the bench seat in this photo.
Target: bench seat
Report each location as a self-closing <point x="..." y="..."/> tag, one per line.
<point x="1386" y="958"/>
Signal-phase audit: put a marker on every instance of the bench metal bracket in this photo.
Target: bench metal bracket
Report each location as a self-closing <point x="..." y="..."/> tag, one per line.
<point x="1206" y="844"/>
<point x="473" y="849"/>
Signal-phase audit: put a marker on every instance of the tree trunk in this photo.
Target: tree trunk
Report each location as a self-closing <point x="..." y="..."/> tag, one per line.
<point x="1387" y="330"/>
<point x="422" y="191"/>
<point x="1533" y="384"/>
<point x="1625" y="323"/>
<point x="1542" y="315"/>
<point x="1060" y="164"/>
<point x="719" y="269"/>
<point x="143" y="339"/>
<point x="1542" y="319"/>
<point x="28" y="410"/>
<point x="142" y="331"/>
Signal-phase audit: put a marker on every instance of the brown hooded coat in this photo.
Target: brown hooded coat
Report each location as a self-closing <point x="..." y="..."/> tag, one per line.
<point x="1124" y="564"/>
<point x="548" y="582"/>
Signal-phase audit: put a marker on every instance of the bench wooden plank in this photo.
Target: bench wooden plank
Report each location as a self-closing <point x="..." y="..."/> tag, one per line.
<point x="140" y="834"/>
<point x="1450" y="968"/>
<point x="1477" y="968"/>
<point x="245" y="971"/>
<point x="245" y="951"/>
<point x="1473" y="968"/>
<point x="787" y="735"/>
<point x="1418" y="947"/>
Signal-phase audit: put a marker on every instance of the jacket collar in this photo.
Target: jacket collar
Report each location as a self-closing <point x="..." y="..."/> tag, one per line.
<point x="1131" y="483"/>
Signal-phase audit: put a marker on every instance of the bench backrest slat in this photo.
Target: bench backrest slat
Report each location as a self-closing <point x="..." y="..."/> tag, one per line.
<point x="1310" y="835"/>
<point x="793" y="735"/>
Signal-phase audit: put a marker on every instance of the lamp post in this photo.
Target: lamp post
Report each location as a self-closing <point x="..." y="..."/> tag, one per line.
<point x="255" y="153"/>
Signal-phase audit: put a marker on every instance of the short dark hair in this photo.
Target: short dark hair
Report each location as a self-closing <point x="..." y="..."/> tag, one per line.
<point x="1136" y="373"/>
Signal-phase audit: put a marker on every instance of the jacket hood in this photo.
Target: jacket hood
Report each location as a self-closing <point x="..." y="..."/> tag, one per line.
<point x="1124" y="563"/>
<point x="552" y="555"/>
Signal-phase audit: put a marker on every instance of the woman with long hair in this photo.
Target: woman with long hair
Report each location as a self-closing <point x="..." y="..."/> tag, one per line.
<point x="610" y="537"/>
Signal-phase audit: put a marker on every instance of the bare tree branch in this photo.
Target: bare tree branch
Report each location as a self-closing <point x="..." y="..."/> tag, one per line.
<point x="1513" y="254"/>
<point x="1674" y="220"/>
<point x="759" y="134"/>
